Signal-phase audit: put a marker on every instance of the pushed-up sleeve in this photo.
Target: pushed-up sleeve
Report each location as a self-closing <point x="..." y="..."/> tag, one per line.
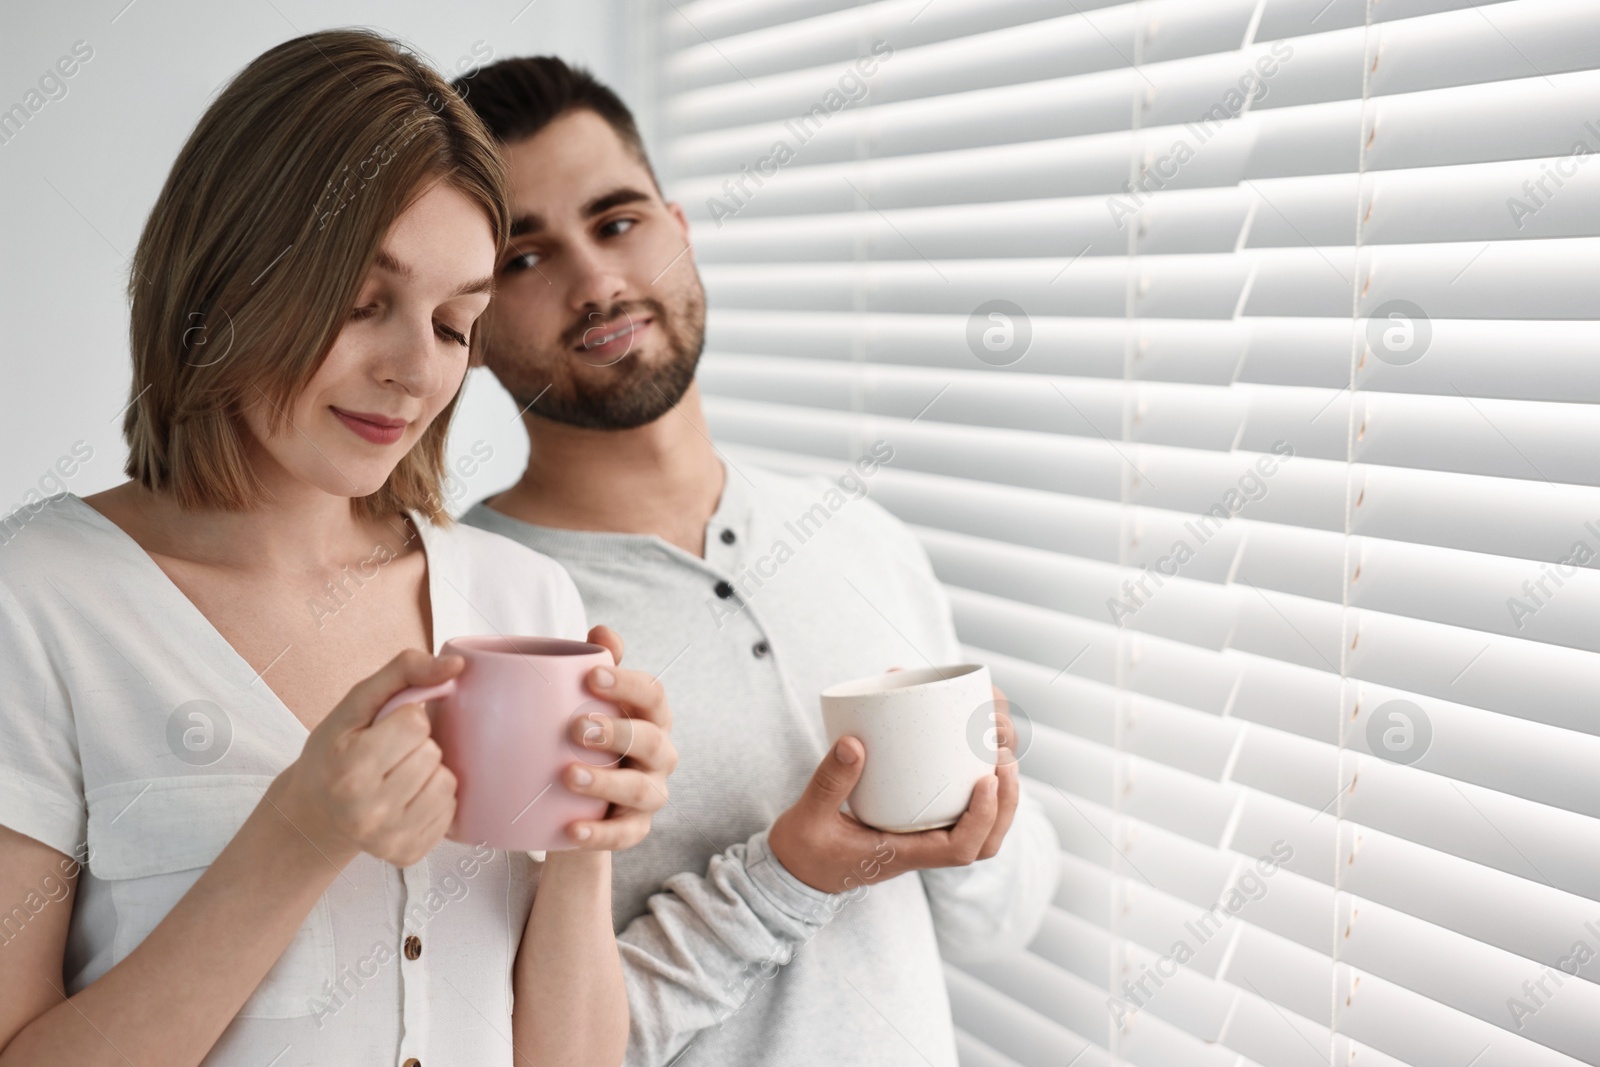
<point x="41" y="777"/>
<point x="996" y="905"/>
<point x="706" y="943"/>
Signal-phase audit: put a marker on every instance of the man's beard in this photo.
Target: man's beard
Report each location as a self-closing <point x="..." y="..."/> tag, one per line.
<point x="633" y="393"/>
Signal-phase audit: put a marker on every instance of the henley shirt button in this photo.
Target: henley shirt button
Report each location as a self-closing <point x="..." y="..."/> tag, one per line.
<point x="723" y="590"/>
<point x="760" y="648"/>
<point x="727" y="537"/>
<point x="413" y="947"/>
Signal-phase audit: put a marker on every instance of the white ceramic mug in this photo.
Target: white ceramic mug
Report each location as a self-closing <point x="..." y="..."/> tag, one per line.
<point x="916" y="726"/>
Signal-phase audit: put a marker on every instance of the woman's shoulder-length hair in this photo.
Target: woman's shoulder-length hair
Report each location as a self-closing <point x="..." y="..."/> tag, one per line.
<point x="253" y="254"/>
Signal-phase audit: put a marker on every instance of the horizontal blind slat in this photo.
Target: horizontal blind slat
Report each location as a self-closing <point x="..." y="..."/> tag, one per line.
<point x="832" y="37"/>
<point x="971" y="1052"/>
<point x="1464" y="357"/>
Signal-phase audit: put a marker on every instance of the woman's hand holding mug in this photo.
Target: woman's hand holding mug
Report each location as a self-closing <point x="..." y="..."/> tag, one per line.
<point x="635" y="783"/>
<point x="370" y="780"/>
<point x="381" y="788"/>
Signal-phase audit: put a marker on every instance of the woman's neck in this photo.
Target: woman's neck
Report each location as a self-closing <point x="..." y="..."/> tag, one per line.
<point x="292" y="532"/>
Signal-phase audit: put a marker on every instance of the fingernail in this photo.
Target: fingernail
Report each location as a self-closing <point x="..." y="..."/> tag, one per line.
<point x="581" y="833"/>
<point x="845" y="753"/>
<point x="582" y="777"/>
<point x="603" y="678"/>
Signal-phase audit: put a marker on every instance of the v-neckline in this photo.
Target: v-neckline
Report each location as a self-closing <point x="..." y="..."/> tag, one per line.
<point x="241" y="666"/>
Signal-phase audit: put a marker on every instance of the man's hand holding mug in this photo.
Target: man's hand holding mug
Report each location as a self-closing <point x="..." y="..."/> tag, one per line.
<point x="835" y="851"/>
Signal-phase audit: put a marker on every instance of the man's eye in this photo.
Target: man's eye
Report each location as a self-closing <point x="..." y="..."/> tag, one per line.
<point x="617" y="227"/>
<point x="520" y="262"/>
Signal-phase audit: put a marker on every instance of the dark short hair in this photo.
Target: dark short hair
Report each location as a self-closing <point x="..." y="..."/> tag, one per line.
<point x="516" y="98"/>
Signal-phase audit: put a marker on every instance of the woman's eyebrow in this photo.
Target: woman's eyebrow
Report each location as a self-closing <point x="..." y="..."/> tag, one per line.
<point x="394" y="266"/>
<point x="482" y="285"/>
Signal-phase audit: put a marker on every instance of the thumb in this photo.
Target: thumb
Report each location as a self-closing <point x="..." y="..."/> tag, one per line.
<point x="607" y="638"/>
<point x="413" y="667"/>
<point x="835" y="776"/>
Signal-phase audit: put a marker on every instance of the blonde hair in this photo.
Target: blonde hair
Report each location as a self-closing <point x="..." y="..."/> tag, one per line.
<point x="253" y="254"/>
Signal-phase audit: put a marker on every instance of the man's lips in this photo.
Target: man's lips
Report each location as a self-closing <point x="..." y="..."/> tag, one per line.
<point x="613" y="340"/>
<point x="379" y="429"/>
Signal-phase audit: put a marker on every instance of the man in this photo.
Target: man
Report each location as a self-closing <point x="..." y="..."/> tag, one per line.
<point x="758" y="924"/>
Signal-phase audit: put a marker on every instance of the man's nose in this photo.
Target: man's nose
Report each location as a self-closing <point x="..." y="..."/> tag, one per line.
<point x="596" y="281"/>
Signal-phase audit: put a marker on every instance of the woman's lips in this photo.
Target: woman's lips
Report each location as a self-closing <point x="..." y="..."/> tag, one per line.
<point x="378" y="429"/>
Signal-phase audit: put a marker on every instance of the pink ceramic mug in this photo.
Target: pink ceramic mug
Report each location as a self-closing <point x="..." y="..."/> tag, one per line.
<point x="503" y="724"/>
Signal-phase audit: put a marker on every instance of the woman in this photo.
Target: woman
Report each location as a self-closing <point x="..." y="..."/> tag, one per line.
<point x="263" y="878"/>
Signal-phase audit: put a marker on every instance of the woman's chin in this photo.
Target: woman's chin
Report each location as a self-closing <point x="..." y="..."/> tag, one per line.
<point x="351" y="481"/>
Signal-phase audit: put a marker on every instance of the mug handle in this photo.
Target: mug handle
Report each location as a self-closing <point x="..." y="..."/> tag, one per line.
<point x="415" y="694"/>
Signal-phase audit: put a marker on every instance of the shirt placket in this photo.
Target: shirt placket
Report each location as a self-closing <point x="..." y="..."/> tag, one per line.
<point x="734" y="560"/>
<point x="414" y="977"/>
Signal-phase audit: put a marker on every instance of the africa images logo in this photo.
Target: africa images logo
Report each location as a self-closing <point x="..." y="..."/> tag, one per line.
<point x="199" y="733"/>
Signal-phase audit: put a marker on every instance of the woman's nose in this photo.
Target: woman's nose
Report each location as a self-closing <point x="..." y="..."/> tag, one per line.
<point x="413" y="361"/>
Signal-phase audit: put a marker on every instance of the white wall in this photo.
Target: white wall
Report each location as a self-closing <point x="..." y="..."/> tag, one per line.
<point x="78" y="180"/>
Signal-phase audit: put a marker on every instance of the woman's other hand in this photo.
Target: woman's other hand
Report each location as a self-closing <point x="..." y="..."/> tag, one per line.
<point x="635" y="782"/>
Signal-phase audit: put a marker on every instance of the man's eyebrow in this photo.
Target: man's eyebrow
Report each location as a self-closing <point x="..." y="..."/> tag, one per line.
<point x="615" y="198"/>
<point x="522" y="225"/>
<point x="394" y="266"/>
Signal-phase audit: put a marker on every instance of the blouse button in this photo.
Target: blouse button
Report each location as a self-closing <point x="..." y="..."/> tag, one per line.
<point x="723" y="589"/>
<point x="727" y="537"/>
<point x="760" y="649"/>
<point x="412" y="1062"/>
<point x="413" y="947"/>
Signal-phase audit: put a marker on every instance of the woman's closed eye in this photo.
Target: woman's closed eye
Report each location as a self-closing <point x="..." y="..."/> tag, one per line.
<point x="449" y="333"/>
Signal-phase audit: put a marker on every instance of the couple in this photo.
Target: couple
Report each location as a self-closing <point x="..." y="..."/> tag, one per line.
<point x="307" y="296"/>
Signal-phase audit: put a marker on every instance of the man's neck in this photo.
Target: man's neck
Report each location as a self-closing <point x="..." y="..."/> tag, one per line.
<point x="662" y="478"/>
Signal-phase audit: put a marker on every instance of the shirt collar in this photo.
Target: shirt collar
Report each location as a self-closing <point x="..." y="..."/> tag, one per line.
<point x="733" y="512"/>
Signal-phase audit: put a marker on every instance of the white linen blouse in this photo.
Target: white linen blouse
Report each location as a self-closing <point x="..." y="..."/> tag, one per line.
<point x="134" y="737"/>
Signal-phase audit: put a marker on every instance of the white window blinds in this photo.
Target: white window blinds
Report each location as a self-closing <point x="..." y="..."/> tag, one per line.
<point x="1239" y="360"/>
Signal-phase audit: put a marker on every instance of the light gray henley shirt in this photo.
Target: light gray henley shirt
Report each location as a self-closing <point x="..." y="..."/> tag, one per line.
<point x="729" y="959"/>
